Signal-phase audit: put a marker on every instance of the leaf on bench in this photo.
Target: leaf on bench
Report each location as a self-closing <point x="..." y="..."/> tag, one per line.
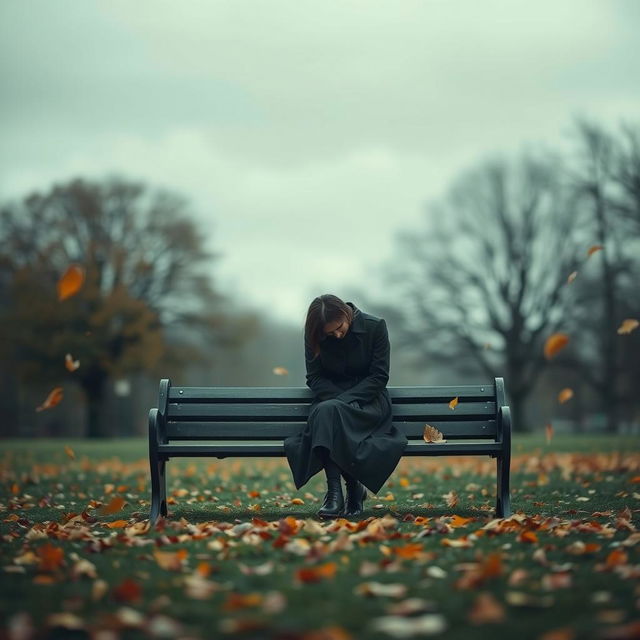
<point x="432" y="435"/>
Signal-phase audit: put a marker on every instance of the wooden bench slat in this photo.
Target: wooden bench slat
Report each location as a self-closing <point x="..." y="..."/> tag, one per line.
<point x="279" y="430"/>
<point x="257" y="450"/>
<point x="295" y="394"/>
<point x="299" y="411"/>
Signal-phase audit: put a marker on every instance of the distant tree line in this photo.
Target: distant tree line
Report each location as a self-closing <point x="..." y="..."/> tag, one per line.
<point x="520" y="248"/>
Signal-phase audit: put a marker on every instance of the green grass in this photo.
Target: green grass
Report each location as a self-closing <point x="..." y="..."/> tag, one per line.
<point x="559" y="490"/>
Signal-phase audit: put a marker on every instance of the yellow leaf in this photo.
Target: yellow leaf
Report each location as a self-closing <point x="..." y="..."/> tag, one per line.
<point x="71" y="282"/>
<point x="53" y="399"/>
<point x="431" y="434"/>
<point x="628" y="325"/>
<point x="565" y="395"/>
<point x="297" y="501"/>
<point x="70" y="363"/>
<point x="555" y="342"/>
<point x="454" y="403"/>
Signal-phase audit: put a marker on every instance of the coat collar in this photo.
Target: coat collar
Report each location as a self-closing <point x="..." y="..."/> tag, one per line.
<point x="357" y="325"/>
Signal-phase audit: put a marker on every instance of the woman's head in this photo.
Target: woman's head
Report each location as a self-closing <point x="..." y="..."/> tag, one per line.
<point x="327" y="316"/>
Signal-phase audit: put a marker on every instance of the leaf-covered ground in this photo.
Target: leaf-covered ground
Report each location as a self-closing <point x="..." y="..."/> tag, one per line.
<point x="243" y="554"/>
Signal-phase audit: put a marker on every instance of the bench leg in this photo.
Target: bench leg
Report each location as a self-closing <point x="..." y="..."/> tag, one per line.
<point x="503" y="497"/>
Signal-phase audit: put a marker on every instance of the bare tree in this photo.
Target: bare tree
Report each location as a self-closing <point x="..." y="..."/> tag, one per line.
<point x="485" y="283"/>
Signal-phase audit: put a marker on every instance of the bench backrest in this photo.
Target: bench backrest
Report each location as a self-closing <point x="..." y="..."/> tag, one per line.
<point x="273" y="413"/>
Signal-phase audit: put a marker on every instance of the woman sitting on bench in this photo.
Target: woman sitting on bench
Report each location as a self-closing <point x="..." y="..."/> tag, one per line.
<point x="349" y="430"/>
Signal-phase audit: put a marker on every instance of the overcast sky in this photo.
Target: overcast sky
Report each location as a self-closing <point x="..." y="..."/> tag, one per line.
<point x="304" y="133"/>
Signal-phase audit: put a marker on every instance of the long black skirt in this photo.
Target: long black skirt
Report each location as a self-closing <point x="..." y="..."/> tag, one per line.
<point x="362" y="441"/>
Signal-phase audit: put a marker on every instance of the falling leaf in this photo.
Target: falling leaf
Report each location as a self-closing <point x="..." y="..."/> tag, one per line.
<point x="565" y="395"/>
<point x="70" y="363"/>
<point x="593" y="249"/>
<point x="628" y="325"/>
<point x="548" y="429"/>
<point x="432" y="435"/>
<point x="70" y="452"/>
<point x="280" y="371"/>
<point x="572" y="277"/>
<point x="486" y="609"/>
<point x="454" y="403"/>
<point x="54" y="398"/>
<point x="114" y="506"/>
<point x="71" y="282"/>
<point x="555" y="343"/>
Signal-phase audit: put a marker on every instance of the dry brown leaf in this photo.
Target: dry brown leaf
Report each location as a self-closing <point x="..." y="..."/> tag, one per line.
<point x="381" y="589"/>
<point x="317" y="573"/>
<point x="486" y="609"/>
<point x="54" y="398"/>
<point x="548" y="429"/>
<point x="50" y="557"/>
<point x="593" y="249"/>
<point x="451" y="498"/>
<point x="70" y="363"/>
<point x="432" y="435"/>
<point x="555" y="343"/>
<point x="565" y="395"/>
<point x="280" y="371"/>
<point x="454" y="403"/>
<point x="628" y="325"/>
<point x="71" y="282"/>
<point x="127" y="591"/>
<point x="114" y="506"/>
<point x="70" y="452"/>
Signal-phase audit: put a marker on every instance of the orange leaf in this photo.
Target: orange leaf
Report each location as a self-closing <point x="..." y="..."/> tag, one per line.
<point x="70" y="363"/>
<point x="548" y="428"/>
<point x="280" y="371"/>
<point x="53" y="399"/>
<point x="565" y="394"/>
<point x="431" y="434"/>
<point x="454" y="403"/>
<point x="170" y="560"/>
<point x="71" y="281"/>
<point x="616" y="557"/>
<point x="50" y="557"/>
<point x="70" y="452"/>
<point x="315" y="574"/>
<point x="410" y="551"/>
<point x="555" y="343"/>
<point x="593" y="249"/>
<point x="628" y="325"/>
<point x="572" y="277"/>
<point x="528" y="536"/>
<point x="117" y="524"/>
<point x="113" y="507"/>
<point x="459" y="521"/>
<point x="236" y="601"/>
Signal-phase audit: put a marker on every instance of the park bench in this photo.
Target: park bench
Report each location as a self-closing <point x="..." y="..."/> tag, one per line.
<point x="203" y="421"/>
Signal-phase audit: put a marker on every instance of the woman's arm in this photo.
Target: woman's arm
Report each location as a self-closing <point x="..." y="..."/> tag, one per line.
<point x="367" y="389"/>
<point x="322" y="387"/>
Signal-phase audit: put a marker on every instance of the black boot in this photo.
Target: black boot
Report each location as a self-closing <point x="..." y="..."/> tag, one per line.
<point x="333" y="504"/>
<point x="356" y="495"/>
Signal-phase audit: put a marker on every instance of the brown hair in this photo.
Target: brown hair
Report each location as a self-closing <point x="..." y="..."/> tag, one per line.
<point x="323" y="310"/>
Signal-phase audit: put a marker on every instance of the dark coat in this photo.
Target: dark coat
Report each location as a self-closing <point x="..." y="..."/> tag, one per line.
<point x="350" y="413"/>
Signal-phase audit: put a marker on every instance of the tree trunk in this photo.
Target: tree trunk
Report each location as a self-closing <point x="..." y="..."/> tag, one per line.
<point x="94" y="385"/>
